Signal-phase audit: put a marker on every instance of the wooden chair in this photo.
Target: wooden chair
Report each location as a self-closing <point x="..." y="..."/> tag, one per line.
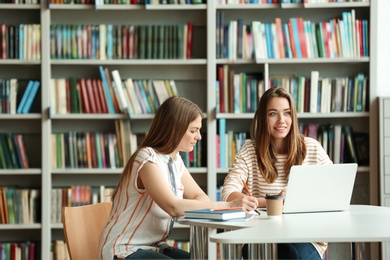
<point x="82" y="228"/>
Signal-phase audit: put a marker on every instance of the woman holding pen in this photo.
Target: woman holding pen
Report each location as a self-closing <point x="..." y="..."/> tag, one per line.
<point x="155" y="188"/>
<point x="263" y="164"/>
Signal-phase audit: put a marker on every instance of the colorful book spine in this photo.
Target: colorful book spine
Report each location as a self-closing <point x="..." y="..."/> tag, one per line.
<point x="107" y="92"/>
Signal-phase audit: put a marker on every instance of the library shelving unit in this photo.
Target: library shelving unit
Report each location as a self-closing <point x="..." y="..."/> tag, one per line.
<point x="365" y="191"/>
<point x="195" y="79"/>
<point x="27" y="125"/>
<point x="189" y="76"/>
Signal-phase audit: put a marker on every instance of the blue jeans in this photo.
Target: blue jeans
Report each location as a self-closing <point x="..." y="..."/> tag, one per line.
<point x="168" y="253"/>
<point x="292" y="251"/>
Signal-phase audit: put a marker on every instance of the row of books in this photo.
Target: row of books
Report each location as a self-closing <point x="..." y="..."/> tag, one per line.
<point x="59" y="250"/>
<point x="330" y="1"/>
<point x="108" y="41"/>
<point x="175" y="2"/>
<point x="19" y="206"/>
<point x="21" y="41"/>
<point x="341" y="142"/>
<point x="228" y="143"/>
<point x="160" y="2"/>
<point x="85" y="150"/>
<point x="18" y="96"/>
<point x="196" y="157"/>
<point x="146" y="96"/>
<point x="102" y="150"/>
<point x="240" y="92"/>
<point x="133" y="96"/>
<point x="237" y="92"/>
<point x="140" y="96"/>
<point x="297" y="38"/>
<point x="18" y="251"/>
<point x="184" y="245"/>
<point x="76" y="195"/>
<point x="325" y="95"/>
<point x="13" y="152"/>
<point x="17" y="2"/>
<point x="128" y="2"/>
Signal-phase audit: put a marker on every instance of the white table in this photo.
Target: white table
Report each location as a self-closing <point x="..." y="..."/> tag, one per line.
<point x="361" y="223"/>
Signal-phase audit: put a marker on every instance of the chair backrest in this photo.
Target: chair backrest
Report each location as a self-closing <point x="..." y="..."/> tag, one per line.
<point x="83" y="226"/>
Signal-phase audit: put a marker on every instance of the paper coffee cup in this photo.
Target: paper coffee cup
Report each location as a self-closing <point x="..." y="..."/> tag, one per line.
<point x="274" y="205"/>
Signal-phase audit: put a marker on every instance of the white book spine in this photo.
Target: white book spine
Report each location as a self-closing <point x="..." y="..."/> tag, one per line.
<point x="314" y="91"/>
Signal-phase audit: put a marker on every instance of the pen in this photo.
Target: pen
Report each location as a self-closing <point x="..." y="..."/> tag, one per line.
<point x="249" y="193"/>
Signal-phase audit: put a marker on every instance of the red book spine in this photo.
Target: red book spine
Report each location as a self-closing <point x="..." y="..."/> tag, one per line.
<point x="96" y="96"/>
<point x="102" y="96"/>
<point x="84" y="100"/>
<point x="302" y="39"/>
<point x="292" y="41"/>
<point x="189" y="40"/>
<point x="91" y="96"/>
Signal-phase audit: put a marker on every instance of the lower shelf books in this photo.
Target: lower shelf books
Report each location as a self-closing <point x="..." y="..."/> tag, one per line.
<point x="216" y="214"/>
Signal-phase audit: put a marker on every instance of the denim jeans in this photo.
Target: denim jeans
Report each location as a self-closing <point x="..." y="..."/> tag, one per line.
<point x="168" y="253"/>
<point x="292" y="251"/>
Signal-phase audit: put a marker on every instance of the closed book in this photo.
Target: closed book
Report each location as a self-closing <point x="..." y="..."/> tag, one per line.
<point x="30" y="99"/>
<point x="107" y="92"/>
<point x="25" y="96"/>
<point x="216" y="214"/>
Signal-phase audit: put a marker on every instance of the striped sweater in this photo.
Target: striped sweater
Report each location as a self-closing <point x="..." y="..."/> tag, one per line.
<point x="245" y="168"/>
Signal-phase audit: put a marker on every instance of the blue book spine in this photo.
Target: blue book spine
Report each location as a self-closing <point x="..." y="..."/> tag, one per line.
<point x="269" y="40"/>
<point x="296" y="37"/>
<point x="365" y="37"/>
<point x="31" y="96"/>
<point x="24" y="97"/>
<point x="222" y="142"/>
<point x="145" y="97"/>
<point x="21" y="41"/>
<point x="107" y="92"/>
<point x="109" y="41"/>
<point x="287" y="46"/>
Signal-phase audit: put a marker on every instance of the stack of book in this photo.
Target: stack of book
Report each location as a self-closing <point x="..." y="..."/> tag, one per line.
<point x="216" y="214"/>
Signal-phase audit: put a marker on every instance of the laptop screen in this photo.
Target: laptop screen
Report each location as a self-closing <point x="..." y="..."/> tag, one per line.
<point x="319" y="188"/>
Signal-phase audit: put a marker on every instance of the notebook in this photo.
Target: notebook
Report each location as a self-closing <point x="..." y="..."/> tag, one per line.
<point x="319" y="188"/>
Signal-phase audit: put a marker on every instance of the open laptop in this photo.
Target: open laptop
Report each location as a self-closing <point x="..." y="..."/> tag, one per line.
<point x="320" y="188"/>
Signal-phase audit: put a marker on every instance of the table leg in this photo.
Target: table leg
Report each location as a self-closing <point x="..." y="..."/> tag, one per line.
<point x="266" y="251"/>
<point x="199" y="242"/>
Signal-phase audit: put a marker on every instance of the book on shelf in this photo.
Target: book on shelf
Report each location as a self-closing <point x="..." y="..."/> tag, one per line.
<point x="25" y="96"/>
<point x="222" y="142"/>
<point x="350" y="148"/>
<point x="31" y="97"/>
<point x="114" y="94"/>
<point x="118" y="86"/>
<point x="216" y="214"/>
<point x="107" y="91"/>
<point x="362" y="145"/>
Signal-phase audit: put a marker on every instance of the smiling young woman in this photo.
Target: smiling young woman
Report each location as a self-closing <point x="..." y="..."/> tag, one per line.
<point x="263" y="163"/>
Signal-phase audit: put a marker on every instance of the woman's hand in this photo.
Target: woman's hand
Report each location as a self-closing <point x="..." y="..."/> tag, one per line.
<point x="248" y="203"/>
<point x="283" y="193"/>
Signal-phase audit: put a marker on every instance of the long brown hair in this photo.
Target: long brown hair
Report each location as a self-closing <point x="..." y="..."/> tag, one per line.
<point x="168" y="127"/>
<point x="294" y="141"/>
